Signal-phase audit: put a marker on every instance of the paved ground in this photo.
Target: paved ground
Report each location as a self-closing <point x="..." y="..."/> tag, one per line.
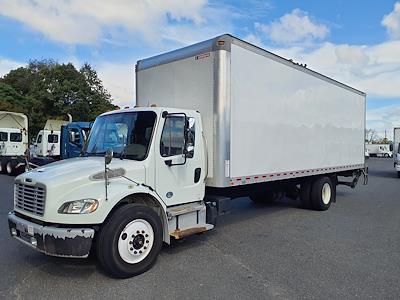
<point x="280" y="250"/>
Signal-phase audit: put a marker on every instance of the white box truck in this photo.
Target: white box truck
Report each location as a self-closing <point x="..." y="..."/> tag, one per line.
<point x="396" y="149"/>
<point x="13" y="140"/>
<point x="379" y="150"/>
<point x="232" y="120"/>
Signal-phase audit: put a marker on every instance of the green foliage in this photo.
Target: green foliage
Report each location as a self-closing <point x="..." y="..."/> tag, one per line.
<point x="49" y="90"/>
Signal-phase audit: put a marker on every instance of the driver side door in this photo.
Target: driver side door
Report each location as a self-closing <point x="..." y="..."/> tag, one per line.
<point x="180" y="180"/>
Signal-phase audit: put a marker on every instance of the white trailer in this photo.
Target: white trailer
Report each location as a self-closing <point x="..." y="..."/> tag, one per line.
<point x="232" y="120"/>
<point x="396" y="149"/>
<point x="13" y="138"/>
<point x="379" y="150"/>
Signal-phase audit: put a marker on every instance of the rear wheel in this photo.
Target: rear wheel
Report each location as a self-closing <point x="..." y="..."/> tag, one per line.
<point x="11" y="168"/>
<point x="398" y="174"/>
<point x="3" y="166"/>
<point x="323" y="193"/>
<point x="129" y="242"/>
<point x="386" y="155"/>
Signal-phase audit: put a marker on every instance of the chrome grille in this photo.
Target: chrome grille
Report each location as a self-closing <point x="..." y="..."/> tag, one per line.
<point x="30" y="198"/>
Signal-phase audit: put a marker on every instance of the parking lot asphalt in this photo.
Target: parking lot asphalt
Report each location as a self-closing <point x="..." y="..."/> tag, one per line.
<point x="259" y="252"/>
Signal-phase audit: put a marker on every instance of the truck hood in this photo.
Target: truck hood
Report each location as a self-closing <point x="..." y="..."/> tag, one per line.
<point x="79" y="168"/>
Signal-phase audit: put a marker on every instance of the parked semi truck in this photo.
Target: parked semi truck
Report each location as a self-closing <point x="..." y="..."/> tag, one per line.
<point x="232" y="120"/>
<point x="396" y="149"/>
<point x="57" y="140"/>
<point x="13" y="139"/>
<point x="379" y="150"/>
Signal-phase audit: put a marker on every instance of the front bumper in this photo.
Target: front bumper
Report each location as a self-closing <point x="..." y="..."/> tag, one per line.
<point x="54" y="241"/>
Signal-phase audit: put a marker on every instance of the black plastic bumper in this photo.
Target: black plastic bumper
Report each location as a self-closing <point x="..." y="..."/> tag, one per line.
<point x="54" y="241"/>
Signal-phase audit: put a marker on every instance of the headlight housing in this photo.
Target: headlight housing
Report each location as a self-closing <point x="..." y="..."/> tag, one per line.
<point x="84" y="206"/>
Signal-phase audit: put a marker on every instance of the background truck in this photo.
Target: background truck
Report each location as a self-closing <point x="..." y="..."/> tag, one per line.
<point x="66" y="143"/>
<point x="13" y="139"/>
<point x="233" y="120"/>
<point x="396" y="149"/>
<point x="379" y="150"/>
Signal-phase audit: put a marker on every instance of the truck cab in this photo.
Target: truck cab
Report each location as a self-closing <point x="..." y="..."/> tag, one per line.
<point x="73" y="138"/>
<point x="11" y="142"/>
<point x="47" y="143"/>
<point x="146" y="162"/>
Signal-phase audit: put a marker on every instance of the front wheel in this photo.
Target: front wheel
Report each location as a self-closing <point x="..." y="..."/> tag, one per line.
<point x="398" y="174"/>
<point x="386" y="155"/>
<point x="129" y="242"/>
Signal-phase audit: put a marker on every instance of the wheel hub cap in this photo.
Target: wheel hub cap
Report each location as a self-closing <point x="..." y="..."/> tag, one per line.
<point x="326" y="193"/>
<point x="135" y="241"/>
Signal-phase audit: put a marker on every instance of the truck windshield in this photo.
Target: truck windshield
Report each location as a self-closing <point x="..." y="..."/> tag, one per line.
<point x="127" y="134"/>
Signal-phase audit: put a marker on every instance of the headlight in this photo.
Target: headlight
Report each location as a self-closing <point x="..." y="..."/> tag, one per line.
<point x="84" y="206"/>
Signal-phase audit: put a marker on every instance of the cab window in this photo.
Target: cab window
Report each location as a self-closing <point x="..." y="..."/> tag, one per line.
<point x="3" y="137"/>
<point x="16" y="137"/>
<point x="39" y="139"/>
<point x="52" y="138"/>
<point x="172" y="138"/>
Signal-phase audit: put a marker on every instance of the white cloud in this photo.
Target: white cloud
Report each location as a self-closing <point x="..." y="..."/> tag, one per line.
<point x="293" y="27"/>
<point x="119" y="80"/>
<point x="392" y="22"/>
<point x="374" y="69"/>
<point x="86" y="22"/>
<point x="384" y="119"/>
<point x="6" y="65"/>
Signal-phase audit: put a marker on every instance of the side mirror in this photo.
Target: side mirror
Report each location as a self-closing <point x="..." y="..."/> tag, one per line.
<point x="108" y="156"/>
<point x="72" y="137"/>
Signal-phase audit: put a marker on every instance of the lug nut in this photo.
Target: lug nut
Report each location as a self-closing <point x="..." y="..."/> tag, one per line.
<point x="133" y="235"/>
<point x="145" y="247"/>
<point x="130" y="242"/>
<point x="135" y="252"/>
<point x="147" y="242"/>
<point x="140" y="252"/>
<point x="124" y="236"/>
<point x="146" y="235"/>
<point x="131" y="249"/>
<point x="142" y="231"/>
<point x="138" y="232"/>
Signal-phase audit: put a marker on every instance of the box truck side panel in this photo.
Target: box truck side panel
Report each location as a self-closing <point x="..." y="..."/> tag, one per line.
<point x="283" y="119"/>
<point x="185" y="84"/>
<point x="396" y="140"/>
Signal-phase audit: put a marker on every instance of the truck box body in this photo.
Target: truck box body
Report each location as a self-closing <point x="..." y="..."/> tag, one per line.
<point x="265" y="118"/>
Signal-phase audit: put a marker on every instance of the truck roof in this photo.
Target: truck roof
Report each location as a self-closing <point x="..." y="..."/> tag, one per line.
<point x="224" y="42"/>
<point x="10" y="119"/>
<point x="156" y="109"/>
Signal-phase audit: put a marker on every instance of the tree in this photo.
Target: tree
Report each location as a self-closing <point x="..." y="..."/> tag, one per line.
<point x="48" y="90"/>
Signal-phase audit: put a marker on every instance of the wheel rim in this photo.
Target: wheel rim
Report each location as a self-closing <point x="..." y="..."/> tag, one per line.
<point x="9" y="168"/>
<point x="135" y="241"/>
<point x="326" y="193"/>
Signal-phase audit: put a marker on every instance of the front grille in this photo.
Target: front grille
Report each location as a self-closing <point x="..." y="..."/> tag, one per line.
<point x="30" y="198"/>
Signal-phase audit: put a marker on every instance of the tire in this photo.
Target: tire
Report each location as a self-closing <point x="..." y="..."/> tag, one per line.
<point x="323" y="193"/>
<point x="3" y="165"/>
<point x="11" y="168"/>
<point x="118" y="248"/>
<point x="386" y="155"/>
<point x="398" y="174"/>
<point x="305" y="194"/>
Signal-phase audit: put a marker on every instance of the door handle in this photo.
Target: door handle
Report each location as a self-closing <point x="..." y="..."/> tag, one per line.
<point x="197" y="173"/>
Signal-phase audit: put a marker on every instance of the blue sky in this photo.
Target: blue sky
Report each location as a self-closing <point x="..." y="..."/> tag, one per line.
<point x="356" y="42"/>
